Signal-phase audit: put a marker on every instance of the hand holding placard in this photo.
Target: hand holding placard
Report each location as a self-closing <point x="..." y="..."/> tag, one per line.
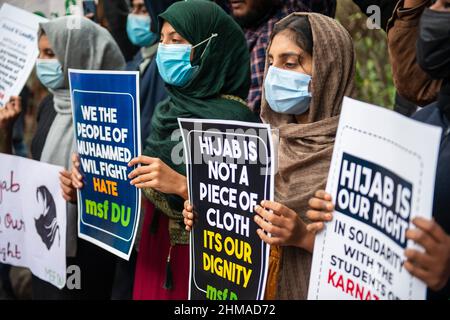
<point x="154" y="173"/>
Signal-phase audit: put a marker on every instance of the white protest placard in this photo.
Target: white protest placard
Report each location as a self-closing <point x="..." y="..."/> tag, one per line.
<point x="32" y="218"/>
<point x="50" y="8"/>
<point x="382" y="175"/>
<point x="18" y="49"/>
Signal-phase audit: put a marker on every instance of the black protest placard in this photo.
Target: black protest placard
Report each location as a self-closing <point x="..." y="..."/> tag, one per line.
<point x="229" y="171"/>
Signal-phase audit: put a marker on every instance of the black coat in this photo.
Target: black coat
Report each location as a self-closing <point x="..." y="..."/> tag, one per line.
<point x="433" y="115"/>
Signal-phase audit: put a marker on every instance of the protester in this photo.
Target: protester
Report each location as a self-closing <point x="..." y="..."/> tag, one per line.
<point x="11" y="142"/>
<point x="411" y="82"/>
<point x="204" y="61"/>
<point x="400" y="21"/>
<point x="433" y="265"/>
<point x="433" y="54"/>
<point x="139" y="33"/>
<point x="116" y="13"/>
<point x="257" y="18"/>
<point x="303" y="65"/>
<point x="62" y="48"/>
<point x="152" y="92"/>
<point x="151" y="85"/>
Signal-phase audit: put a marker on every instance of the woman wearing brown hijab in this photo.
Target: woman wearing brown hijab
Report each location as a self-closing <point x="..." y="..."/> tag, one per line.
<point x="309" y="69"/>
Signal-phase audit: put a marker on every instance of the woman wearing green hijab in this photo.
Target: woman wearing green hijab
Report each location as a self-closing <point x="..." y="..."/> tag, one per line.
<point x="203" y="59"/>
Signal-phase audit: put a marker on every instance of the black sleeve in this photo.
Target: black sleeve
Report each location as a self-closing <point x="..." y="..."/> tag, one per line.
<point x="45" y="115"/>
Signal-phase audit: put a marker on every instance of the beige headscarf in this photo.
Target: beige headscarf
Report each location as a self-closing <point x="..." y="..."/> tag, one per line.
<point x="305" y="150"/>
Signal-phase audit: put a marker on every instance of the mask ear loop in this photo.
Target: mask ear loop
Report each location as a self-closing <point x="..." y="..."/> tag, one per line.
<point x="209" y="41"/>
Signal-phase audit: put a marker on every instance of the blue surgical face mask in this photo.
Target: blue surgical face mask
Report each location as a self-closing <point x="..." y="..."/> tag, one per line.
<point x="49" y="72"/>
<point x="174" y="62"/>
<point x="287" y="91"/>
<point x="138" y="30"/>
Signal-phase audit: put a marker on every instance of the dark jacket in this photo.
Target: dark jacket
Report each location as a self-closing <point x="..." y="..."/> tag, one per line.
<point x="153" y="91"/>
<point x="46" y="113"/>
<point x="433" y="115"/>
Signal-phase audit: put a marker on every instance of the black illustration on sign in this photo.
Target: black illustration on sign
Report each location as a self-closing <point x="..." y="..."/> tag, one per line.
<point x="47" y="225"/>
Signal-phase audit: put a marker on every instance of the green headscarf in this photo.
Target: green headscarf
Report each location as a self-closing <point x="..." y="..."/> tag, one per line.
<point x="221" y="84"/>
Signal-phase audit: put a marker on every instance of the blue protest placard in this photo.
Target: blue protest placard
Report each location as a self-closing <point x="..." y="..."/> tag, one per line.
<point x="107" y="130"/>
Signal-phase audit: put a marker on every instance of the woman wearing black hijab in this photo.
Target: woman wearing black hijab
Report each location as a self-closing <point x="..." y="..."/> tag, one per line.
<point x="152" y="92"/>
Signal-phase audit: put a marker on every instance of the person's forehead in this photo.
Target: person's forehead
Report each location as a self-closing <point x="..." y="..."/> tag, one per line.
<point x="43" y="39"/>
<point x="167" y="27"/>
<point x="283" y="43"/>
